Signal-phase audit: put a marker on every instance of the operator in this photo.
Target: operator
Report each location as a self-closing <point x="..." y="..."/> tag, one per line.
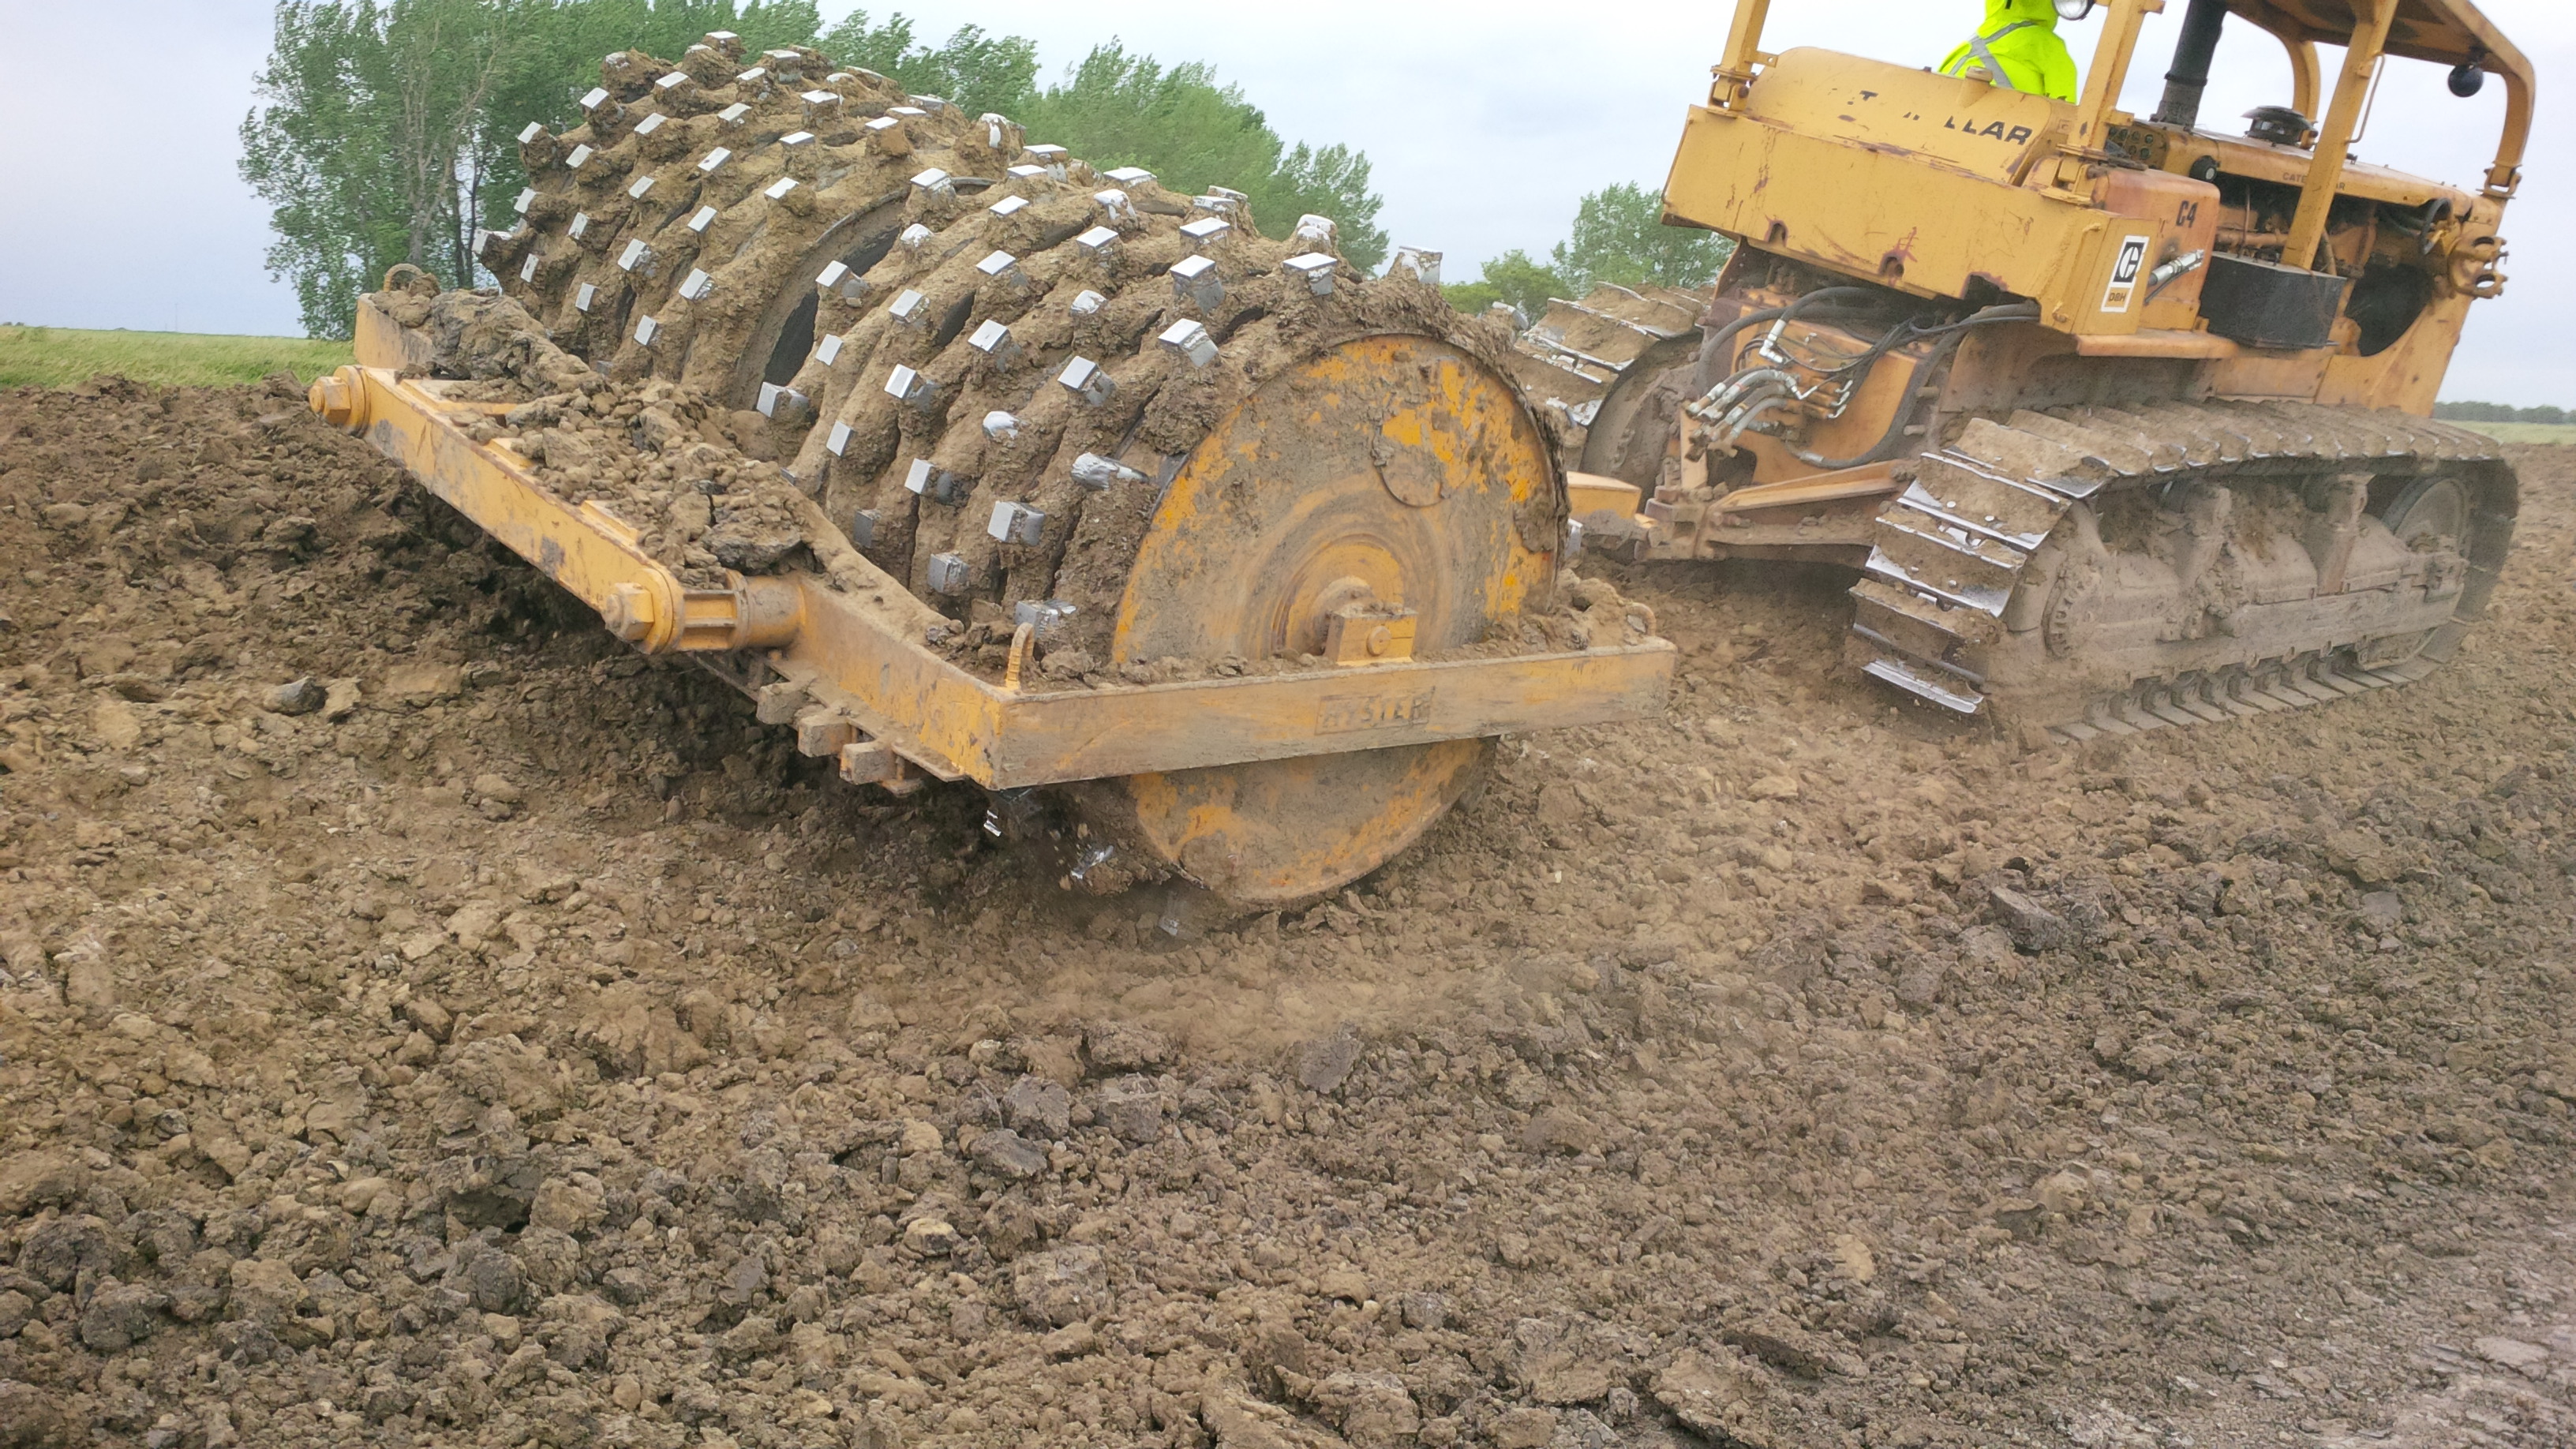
<point x="2018" y="46"/>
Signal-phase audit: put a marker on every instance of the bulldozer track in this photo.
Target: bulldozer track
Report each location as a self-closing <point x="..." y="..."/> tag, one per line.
<point x="1975" y="594"/>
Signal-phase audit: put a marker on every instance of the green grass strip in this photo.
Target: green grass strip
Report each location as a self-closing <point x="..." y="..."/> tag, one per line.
<point x="2524" y="432"/>
<point x="63" y="356"/>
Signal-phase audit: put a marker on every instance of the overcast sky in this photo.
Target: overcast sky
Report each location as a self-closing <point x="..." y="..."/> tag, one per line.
<point x="125" y="207"/>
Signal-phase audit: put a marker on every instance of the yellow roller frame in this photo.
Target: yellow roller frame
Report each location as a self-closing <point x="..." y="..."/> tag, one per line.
<point x="850" y="644"/>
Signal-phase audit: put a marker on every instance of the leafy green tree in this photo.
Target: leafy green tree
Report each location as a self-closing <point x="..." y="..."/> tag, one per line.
<point x="313" y="155"/>
<point x="980" y="72"/>
<point x="367" y="112"/>
<point x="1515" y="279"/>
<point x="1122" y="109"/>
<point x="556" y="49"/>
<point x="1619" y="236"/>
<point x="1330" y="181"/>
<point x="387" y="130"/>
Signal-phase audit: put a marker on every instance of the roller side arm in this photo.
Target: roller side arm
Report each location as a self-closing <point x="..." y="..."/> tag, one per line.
<point x="851" y="642"/>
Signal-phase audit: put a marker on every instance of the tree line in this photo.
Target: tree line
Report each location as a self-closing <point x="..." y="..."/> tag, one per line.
<point x="1618" y="236"/>
<point x="387" y="131"/>
<point x="2487" y="412"/>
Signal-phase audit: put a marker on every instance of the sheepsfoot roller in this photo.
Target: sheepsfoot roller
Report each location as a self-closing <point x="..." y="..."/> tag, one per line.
<point x="973" y="461"/>
<point x="1363" y="628"/>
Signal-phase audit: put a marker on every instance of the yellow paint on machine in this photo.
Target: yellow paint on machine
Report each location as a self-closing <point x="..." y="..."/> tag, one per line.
<point x="1838" y="160"/>
<point x="1239" y="813"/>
<point x="857" y="646"/>
<point x="1471" y="428"/>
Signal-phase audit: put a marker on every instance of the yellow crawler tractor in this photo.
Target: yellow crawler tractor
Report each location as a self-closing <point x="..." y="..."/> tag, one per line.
<point x="970" y="461"/>
<point x="2123" y="420"/>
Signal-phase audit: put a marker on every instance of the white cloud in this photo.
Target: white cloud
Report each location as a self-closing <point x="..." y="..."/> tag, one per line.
<point x="1485" y="127"/>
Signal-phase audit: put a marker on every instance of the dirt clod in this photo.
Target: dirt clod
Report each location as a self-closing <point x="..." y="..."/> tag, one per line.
<point x="2033" y="927"/>
<point x="298" y="696"/>
<point x="33" y="1419"/>
<point x="1325" y="1063"/>
<point x="1720" y="1398"/>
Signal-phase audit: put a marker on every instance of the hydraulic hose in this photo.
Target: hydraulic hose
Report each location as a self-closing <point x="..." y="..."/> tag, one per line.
<point x="1893" y="441"/>
<point x="1716" y="344"/>
<point x="1727" y="395"/>
<point x="1744" y="421"/>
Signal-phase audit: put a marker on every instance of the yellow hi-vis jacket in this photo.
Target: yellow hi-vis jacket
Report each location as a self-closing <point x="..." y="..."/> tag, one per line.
<point x="2018" y="44"/>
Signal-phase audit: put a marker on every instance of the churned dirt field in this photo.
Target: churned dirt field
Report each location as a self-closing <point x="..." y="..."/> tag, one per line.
<point x="426" y="1023"/>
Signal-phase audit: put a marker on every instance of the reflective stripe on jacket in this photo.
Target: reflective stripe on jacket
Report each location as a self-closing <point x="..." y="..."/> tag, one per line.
<point x="2019" y="46"/>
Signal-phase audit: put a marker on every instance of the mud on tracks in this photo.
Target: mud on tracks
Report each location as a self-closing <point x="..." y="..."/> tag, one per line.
<point x="426" y="1022"/>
